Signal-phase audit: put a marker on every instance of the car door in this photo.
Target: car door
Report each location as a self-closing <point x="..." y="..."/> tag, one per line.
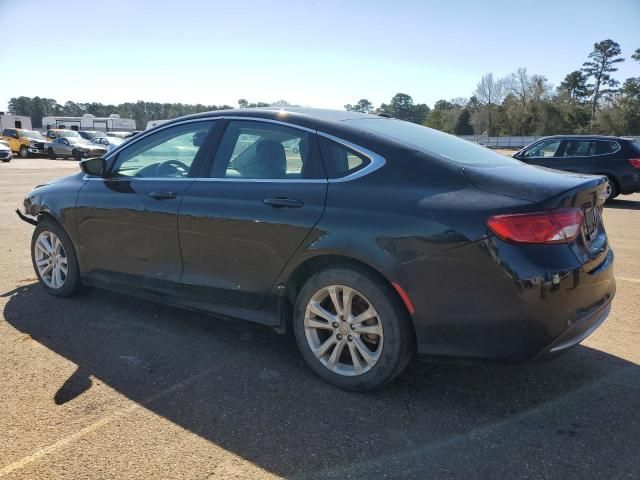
<point x="543" y="153"/>
<point x="242" y="222"/>
<point x="12" y="138"/>
<point x="62" y="147"/>
<point x="578" y="155"/>
<point x="127" y="220"/>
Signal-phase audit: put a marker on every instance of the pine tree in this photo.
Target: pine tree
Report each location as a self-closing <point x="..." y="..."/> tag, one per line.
<point x="602" y="62"/>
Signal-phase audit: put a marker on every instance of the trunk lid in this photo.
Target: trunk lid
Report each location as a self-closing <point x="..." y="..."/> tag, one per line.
<point x="554" y="189"/>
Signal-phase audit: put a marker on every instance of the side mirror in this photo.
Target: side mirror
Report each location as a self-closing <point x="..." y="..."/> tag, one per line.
<point x="94" y="166"/>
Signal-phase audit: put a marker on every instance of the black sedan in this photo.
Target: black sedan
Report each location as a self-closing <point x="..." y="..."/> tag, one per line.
<point x="616" y="158"/>
<point x="372" y="239"/>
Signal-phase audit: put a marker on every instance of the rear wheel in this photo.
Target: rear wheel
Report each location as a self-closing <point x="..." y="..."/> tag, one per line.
<point x="612" y="189"/>
<point x="351" y="328"/>
<point x="51" y="154"/>
<point x="54" y="259"/>
<point x="24" y="151"/>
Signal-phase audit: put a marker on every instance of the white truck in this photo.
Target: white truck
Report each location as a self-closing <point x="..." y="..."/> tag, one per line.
<point x="90" y="122"/>
<point x="20" y="122"/>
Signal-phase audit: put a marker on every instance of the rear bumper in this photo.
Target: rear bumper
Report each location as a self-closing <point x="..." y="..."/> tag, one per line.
<point x="577" y="333"/>
<point x="494" y="301"/>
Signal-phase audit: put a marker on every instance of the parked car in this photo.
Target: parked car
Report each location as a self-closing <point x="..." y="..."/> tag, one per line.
<point x="76" y="147"/>
<point x="5" y="151"/>
<point x="24" y="142"/>
<point x="119" y="134"/>
<point x="132" y="134"/>
<point x="108" y="142"/>
<point x="615" y="157"/>
<point x="91" y="134"/>
<point x="379" y="239"/>
<point x="55" y="133"/>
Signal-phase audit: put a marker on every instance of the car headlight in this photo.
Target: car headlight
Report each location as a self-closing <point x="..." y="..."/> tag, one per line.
<point x="32" y="143"/>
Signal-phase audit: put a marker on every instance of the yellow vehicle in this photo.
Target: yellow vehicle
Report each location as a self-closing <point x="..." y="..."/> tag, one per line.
<point x="24" y="142"/>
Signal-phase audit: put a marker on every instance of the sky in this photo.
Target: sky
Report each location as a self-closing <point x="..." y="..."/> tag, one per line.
<point x="324" y="53"/>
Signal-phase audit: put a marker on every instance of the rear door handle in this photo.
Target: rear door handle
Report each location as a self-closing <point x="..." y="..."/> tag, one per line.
<point x="282" y="202"/>
<point x="162" y="195"/>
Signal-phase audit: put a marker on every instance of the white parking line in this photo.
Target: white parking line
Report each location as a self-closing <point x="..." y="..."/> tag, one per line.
<point x="23" y="462"/>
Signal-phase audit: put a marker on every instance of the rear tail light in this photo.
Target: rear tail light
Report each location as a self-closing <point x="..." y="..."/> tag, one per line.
<point x="635" y="162"/>
<point x="554" y="226"/>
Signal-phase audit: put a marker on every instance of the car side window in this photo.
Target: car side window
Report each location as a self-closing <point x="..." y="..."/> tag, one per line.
<point x="263" y="150"/>
<point x="340" y="161"/>
<point x="580" y="148"/>
<point x="605" y="147"/>
<point x="165" y="154"/>
<point x="546" y="148"/>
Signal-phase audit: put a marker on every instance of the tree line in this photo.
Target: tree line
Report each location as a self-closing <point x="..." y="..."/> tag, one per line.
<point x="588" y="100"/>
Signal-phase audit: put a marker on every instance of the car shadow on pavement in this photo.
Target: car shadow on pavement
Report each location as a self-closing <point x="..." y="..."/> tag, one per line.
<point x="624" y="204"/>
<point x="246" y="389"/>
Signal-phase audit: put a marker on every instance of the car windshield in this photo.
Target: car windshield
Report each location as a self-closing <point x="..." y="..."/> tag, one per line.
<point x="434" y="142"/>
<point x="78" y="140"/>
<point x="31" y="134"/>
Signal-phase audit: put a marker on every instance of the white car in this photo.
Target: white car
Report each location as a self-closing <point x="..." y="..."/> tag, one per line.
<point x="109" y="142"/>
<point x="5" y="151"/>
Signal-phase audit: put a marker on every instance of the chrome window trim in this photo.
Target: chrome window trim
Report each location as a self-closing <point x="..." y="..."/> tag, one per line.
<point x="376" y="161"/>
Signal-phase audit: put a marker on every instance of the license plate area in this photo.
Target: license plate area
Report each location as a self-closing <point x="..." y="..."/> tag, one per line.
<point x="591" y="222"/>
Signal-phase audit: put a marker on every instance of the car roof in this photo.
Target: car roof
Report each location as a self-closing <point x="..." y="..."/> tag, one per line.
<point x="303" y="116"/>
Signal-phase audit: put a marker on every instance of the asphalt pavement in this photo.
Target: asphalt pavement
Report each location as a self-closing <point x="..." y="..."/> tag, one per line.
<point x="105" y="386"/>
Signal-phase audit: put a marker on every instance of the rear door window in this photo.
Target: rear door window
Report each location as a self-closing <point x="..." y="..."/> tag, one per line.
<point x="580" y="148"/>
<point x="263" y="150"/>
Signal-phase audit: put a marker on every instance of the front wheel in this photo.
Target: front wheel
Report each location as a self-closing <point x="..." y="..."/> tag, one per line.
<point x="77" y="155"/>
<point x="54" y="259"/>
<point x="352" y="329"/>
<point x="24" y="151"/>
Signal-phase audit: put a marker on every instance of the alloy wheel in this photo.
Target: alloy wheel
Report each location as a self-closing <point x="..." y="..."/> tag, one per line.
<point x="51" y="260"/>
<point x="343" y="330"/>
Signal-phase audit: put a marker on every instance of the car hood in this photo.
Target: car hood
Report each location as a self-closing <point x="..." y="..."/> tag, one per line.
<point x="58" y="180"/>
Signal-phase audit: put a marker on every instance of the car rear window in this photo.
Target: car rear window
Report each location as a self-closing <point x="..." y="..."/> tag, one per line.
<point x="606" y="146"/>
<point x="636" y="145"/>
<point x="434" y="142"/>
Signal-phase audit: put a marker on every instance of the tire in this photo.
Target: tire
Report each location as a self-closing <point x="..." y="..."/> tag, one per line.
<point x="23" y="152"/>
<point x="394" y="344"/>
<point x="51" y="154"/>
<point x="76" y="155"/>
<point x="71" y="283"/>
<point x="612" y="189"/>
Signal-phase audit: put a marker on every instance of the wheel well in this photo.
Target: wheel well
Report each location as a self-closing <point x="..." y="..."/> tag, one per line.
<point x="47" y="215"/>
<point x="313" y="265"/>
<point x="612" y="178"/>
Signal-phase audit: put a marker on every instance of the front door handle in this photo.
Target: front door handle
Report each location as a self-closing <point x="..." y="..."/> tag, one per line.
<point x="283" y="202"/>
<point x="162" y="195"/>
